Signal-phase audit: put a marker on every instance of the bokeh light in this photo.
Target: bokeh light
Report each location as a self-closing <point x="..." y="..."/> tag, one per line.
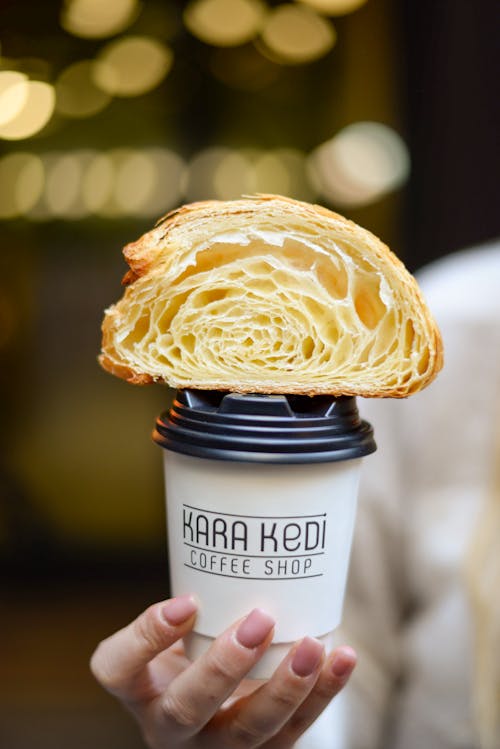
<point x="133" y="65"/>
<point x="135" y="182"/>
<point x="356" y="167"/>
<point x="271" y="175"/>
<point x="233" y="176"/>
<point x="132" y="182"/>
<point x="294" y="34"/>
<point x="62" y="187"/>
<point x="73" y="184"/>
<point x="36" y="111"/>
<point x="334" y="7"/>
<point x="97" y="182"/>
<point x="12" y="95"/>
<point x="201" y="171"/>
<point x="102" y="174"/>
<point x="221" y="173"/>
<point x="170" y="179"/>
<point x="360" y="164"/>
<point x="76" y="92"/>
<point x="98" y="19"/>
<point x="21" y="183"/>
<point x="30" y="181"/>
<point x="226" y="174"/>
<point x="283" y="171"/>
<point x="225" y="23"/>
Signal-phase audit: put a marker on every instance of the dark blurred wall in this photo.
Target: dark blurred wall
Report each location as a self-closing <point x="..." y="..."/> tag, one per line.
<point x="452" y="59"/>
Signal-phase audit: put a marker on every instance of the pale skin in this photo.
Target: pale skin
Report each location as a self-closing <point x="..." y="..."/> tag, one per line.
<point x="208" y="704"/>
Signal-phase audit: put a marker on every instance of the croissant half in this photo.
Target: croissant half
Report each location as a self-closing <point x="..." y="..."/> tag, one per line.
<point x="267" y="294"/>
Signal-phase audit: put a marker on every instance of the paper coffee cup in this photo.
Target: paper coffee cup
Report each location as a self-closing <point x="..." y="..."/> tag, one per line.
<point x="261" y="503"/>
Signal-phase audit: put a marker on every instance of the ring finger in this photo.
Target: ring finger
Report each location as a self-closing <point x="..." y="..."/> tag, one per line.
<point x="252" y="720"/>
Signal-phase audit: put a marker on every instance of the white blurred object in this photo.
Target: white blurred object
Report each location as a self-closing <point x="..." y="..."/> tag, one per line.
<point x="407" y="608"/>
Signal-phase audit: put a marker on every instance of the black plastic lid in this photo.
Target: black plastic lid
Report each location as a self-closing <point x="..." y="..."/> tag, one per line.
<point x="264" y="428"/>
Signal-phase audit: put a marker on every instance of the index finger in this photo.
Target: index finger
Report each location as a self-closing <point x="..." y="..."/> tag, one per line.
<point x="121" y="658"/>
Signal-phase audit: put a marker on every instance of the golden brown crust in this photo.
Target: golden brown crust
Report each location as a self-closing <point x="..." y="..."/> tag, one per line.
<point x="190" y="256"/>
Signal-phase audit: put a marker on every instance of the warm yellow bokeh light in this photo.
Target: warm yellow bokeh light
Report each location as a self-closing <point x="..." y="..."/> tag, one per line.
<point x="124" y="178"/>
<point x="169" y="182"/>
<point x="225" y="23"/>
<point x="334" y="7"/>
<point x="133" y="65"/>
<point x="106" y="167"/>
<point x="76" y="93"/>
<point x="294" y="34"/>
<point x="97" y="182"/>
<point x="63" y="184"/>
<point x="135" y="182"/>
<point x="233" y="176"/>
<point x="30" y="183"/>
<point x="283" y="171"/>
<point x="35" y="113"/>
<point x="148" y="182"/>
<point x="360" y="164"/>
<point x="21" y="183"/>
<point x="271" y="175"/>
<point x="201" y="170"/>
<point x="9" y="78"/>
<point x="98" y="19"/>
<point x="13" y="94"/>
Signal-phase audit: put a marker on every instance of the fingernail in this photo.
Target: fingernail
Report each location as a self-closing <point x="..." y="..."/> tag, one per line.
<point x="254" y="629"/>
<point x="307" y="657"/>
<point x="343" y="663"/>
<point x="178" y="610"/>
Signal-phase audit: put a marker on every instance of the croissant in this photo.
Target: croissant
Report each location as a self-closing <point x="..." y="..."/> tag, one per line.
<point x="269" y="295"/>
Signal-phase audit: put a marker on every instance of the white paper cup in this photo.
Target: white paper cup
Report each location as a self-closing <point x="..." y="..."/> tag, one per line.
<point x="275" y="535"/>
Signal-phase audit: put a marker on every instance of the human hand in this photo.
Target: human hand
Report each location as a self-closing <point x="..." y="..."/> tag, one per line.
<point x="207" y="704"/>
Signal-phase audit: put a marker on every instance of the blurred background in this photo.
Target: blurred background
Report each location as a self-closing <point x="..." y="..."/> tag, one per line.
<point x="112" y="113"/>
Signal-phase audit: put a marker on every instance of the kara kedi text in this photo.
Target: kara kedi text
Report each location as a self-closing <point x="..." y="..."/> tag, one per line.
<point x="251" y="546"/>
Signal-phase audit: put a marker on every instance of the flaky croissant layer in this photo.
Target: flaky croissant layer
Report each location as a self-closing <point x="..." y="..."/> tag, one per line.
<point x="269" y="295"/>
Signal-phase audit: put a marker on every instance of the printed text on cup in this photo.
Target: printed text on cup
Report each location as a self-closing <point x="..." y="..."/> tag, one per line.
<point x="254" y="547"/>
